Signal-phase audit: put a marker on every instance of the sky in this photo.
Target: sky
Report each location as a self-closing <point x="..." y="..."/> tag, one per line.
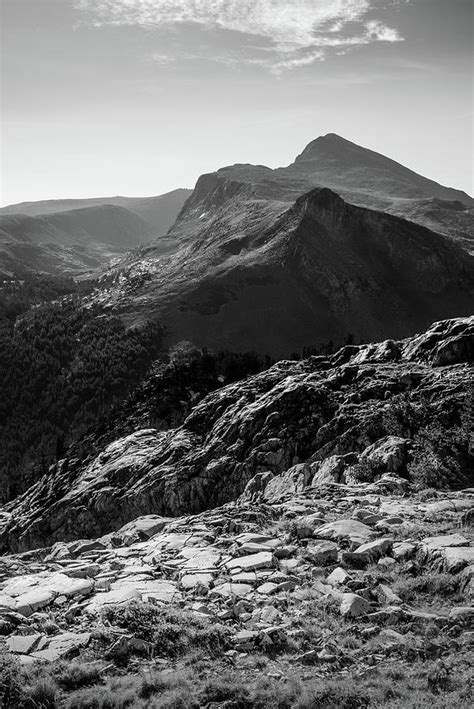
<point x="139" y="97"/>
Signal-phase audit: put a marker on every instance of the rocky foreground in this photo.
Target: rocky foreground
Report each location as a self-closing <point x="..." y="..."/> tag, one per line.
<point x="284" y="553"/>
<point x="335" y="581"/>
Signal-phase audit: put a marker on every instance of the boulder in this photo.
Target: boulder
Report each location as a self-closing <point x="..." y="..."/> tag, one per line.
<point x="432" y="548"/>
<point x="374" y="550"/>
<point x="387" y="596"/>
<point x="322" y="553"/>
<point x="329" y="470"/>
<point x="456" y="558"/>
<point x="255" y="487"/>
<point x="390" y="452"/>
<point x="338" y="577"/>
<point x="62" y="645"/>
<point x="344" y="529"/>
<point x="143" y="527"/>
<point x="353" y="606"/>
<point x="23" y="644"/>
<point x="402" y="551"/>
<point x="293" y="481"/>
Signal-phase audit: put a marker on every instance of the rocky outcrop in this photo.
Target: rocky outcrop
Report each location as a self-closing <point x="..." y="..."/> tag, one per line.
<point x="296" y="424"/>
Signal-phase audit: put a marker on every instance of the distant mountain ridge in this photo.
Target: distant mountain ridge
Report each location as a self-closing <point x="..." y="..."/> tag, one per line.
<point x="74" y="236"/>
<point x="160" y="212"/>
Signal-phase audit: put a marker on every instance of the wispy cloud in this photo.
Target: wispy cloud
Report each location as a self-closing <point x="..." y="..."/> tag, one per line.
<point x="293" y="33"/>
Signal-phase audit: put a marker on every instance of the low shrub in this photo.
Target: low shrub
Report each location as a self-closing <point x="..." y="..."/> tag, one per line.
<point x="10" y="681"/>
<point x="43" y="694"/>
<point x="74" y="675"/>
<point x="120" y="693"/>
<point x="173" y="632"/>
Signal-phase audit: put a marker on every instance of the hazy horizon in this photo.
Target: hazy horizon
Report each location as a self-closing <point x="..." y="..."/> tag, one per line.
<point x="138" y="98"/>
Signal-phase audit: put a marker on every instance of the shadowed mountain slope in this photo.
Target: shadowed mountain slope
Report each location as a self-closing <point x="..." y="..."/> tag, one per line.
<point x="368" y="179"/>
<point x="256" y="271"/>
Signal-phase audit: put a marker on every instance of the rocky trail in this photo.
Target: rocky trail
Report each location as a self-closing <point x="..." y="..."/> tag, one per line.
<point x="338" y="577"/>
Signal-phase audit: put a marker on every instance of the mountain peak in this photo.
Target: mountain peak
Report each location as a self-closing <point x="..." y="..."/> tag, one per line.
<point x="328" y="145"/>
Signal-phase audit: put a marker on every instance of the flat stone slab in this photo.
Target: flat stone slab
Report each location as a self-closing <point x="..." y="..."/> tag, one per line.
<point x="447" y="540"/>
<point x="116" y="597"/>
<point x="248" y="577"/>
<point x="30" y="602"/>
<point x="251" y="538"/>
<point x="266" y="589"/>
<point x="19" y="585"/>
<point x="351" y="529"/>
<point x="448" y="506"/>
<point x="262" y="560"/>
<point x="7" y="602"/>
<point x="82" y="571"/>
<point x="63" y="585"/>
<point x="154" y="589"/>
<point x="456" y="558"/>
<point x="199" y="558"/>
<point x="62" y="645"/>
<point x="233" y="589"/>
<point x="190" y="581"/>
<point x="23" y="644"/>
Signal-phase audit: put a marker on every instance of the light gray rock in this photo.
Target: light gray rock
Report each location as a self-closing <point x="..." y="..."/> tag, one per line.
<point x="268" y="588"/>
<point x="192" y="581"/>
<point x="329" y="470"/>
<point x="387" y="596"/>
<point x="23" y="644"/>
<point x="30" y="602"/>
<point x="144" y="527"/>
<point x="262" y="560"/>
<point x="345" y="529"/>
<point x="456" y="558"/>
<point x="374" y="550"/>
<point x="353" y="606"/>
<point x="293" y="481"/>
<point x="443" y="541"/>
<point x="402" y="551"/>
<point x="149" y="588"/>
<point x="232" y="589"/>
<point x="390" y="452"/>
<point x="62" y="645"/>
<point x="117" y="596"/>
<point x="462" y="613"/>
<point x="338" y="577"/>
